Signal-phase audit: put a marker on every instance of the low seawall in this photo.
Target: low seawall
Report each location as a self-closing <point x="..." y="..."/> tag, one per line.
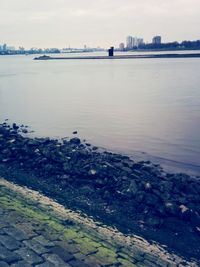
<point x="196" y="55"/>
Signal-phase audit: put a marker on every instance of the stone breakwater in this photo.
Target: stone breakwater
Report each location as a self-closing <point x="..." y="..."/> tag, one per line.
<point x="136" y="197"/>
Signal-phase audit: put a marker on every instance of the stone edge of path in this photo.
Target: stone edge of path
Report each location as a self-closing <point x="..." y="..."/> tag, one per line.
<point x="131" y="244"/>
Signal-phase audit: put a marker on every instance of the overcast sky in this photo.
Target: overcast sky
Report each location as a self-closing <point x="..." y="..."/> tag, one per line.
<point x="60" y="23"/>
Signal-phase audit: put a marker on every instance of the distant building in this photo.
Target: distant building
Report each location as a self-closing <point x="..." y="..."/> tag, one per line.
<point x="129" y="42"/>
<point x="133" y="42"/>
<point x="4" y="47"/>
<point x="140" y="41"/>
<point x="10" y="48"/>
<point x="156" y="40"/>
<point x="121" y="47"/>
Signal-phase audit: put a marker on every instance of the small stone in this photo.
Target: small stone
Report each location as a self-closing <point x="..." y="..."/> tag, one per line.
<point x="75" y="141"/>
<point x="35" y="246"/>
<point x="43" y="241"/>
<point x="15" y="233"/>
<point x="3" y="264"/>
<point x="9" y="242"/>
<point x="7" y="256"/>
<point x="92" y="172"/>
<point x="21" y="264"/>
<point x="62" y="253"/>
<point x="29" y="256"/>
<point x="56" y="260"/>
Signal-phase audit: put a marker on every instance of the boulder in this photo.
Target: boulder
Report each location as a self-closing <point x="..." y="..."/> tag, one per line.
<point x="75" y="141"/>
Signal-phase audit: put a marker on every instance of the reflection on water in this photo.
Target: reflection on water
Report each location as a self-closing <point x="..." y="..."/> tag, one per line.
<point x="129" y="106"/>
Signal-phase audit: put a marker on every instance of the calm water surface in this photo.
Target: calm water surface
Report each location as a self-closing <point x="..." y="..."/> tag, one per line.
<point x="149" y="108"/>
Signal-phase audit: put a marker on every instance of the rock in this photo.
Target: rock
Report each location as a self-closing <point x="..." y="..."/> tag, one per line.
<point x="15" y="127"/>
<point x="107" y="195"/>
<point x="147" y="186"/>
<point x="172" y="208"/>
<point x="128" y="163"/>
<point x="140" y="196"/>
<point x="126" y="169"/>
<point x="195" y="218"/>
<point x="86" y="190"/>
<point x="87" y="144"/>
<point x="197" y="229"/>
<point x="133" y="188"/>
<point x="154" y="221"/>
<point x="137" y="166"/>
<point x="75" y="141"/>
<point x="151" y="199"/>
<point x="64" y="177"/>
<point x="92" y="172"/>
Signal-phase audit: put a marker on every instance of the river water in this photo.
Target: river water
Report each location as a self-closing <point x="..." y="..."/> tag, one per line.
<point x="145" y="108"/>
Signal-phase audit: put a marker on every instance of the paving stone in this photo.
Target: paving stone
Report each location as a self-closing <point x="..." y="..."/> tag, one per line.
<point x="21" y="264"/>
<point x="52" y="236"/>
<point x="1" y="211"/>
<point x="162" y="262"/>
<point x="27" y="228"/>
<point x="16" y="233"/>
<point x="56" y="260"/>
<point x="149" y="263"/>
<point x="43" y="241"/>
<point x="35" y="246"/>
<point x="9" y="242"/>
<point x="172" y="264"/>
<point x="13" y="217"/>
<point x="138" y="257"/>
<point x="29" y="256"/>
<point x="80" y="256"/>
<point x="45" y="264"/>
<point x="127" y="263"/>
<point x="3" y="224"/>
<point x="87" y="250"/>
<point x="62" y="253"/>
<point x="3" y="264"/>
<point x="70" y="247"/>
<point x="8" y="256"/>
<point x="77" y="263"/>
<point x="150" y="257"/>
<point x="92" y="262"/>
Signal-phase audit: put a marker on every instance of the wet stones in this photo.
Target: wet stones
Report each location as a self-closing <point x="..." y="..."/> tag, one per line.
<point x="140" y="186"/>
<point x="75" y="141"/>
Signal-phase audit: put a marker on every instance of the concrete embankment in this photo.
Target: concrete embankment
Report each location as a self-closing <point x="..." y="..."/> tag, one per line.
<point x="37" y="231"/>
<point x="135" y="197"/>
<point x="144" y="56"/>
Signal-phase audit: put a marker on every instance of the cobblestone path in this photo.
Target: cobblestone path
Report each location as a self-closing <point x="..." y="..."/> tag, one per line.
<point x="36" y="231"/>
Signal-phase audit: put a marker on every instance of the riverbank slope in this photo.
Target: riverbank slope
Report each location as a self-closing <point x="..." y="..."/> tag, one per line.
<point x="136" y="197"/>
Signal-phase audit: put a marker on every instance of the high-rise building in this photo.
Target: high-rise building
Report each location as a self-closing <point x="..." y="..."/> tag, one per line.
<point x="140" y="41"/>
<point x="129" y="42"/>
<point x="156" y="40"/>
<point x="121" y="46"/>
<point x="4" y="47"/>
<point x="133" y="42"/>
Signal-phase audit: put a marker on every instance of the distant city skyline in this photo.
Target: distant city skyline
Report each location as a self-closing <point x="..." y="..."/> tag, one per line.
<point x="64" y="23"/>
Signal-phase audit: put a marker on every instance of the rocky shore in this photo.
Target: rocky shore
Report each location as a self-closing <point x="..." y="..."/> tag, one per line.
<point x="135" y="197"/>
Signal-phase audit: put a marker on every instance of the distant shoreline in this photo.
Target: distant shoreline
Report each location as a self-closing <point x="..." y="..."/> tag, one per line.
<point x="193" y="55"/>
